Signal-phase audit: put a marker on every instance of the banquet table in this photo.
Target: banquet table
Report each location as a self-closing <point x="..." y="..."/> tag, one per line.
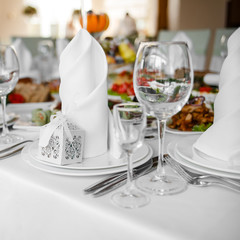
<point x="42" y="206"/>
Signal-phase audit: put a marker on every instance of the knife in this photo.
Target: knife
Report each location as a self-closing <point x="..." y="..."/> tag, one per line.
<point x="117" y="177"/>
<point x="113" y="186"/>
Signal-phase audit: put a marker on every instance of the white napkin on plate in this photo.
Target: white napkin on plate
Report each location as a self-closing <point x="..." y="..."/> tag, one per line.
<point x="222" y="139"/>
<point x="83" y="92"/>
<point x="24" y="57"/>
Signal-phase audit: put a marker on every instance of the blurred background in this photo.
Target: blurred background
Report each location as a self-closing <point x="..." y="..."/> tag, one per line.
<point x="32" y="18"/>
<point x="40" y="30"/>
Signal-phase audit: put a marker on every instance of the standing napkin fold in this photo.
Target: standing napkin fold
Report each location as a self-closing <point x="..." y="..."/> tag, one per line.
<point x="222" y="139"/>
<point x="83" y="92"/>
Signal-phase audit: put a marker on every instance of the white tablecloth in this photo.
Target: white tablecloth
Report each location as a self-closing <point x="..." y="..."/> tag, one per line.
<point x="35" y="205"/>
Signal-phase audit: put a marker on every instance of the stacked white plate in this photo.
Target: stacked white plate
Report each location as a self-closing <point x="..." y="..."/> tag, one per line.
<point x="183" y="152"/>
<point x="101" y="165"/>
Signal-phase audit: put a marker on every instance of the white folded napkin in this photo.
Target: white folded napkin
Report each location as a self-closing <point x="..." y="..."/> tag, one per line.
<point x="222" y="139"/>
<point x="83" y="92"/>
<point x="24" y="57"/>
<point x="212" y="79"/>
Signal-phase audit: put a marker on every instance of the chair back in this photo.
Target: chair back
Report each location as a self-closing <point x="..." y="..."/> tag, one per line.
<point x="200" y="41"/>
<point x="220" y="48"/>
<point x="32" y="43"/>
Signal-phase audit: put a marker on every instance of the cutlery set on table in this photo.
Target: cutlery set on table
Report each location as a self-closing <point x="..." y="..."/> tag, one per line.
<point x="115" y="181"/>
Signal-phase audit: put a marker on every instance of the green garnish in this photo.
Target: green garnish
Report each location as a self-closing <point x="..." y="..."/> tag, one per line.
<point x="201" y="128"/>
<point x="41" y="117"/>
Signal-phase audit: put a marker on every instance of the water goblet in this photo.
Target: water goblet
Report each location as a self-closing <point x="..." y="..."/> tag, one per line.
<point x="163" y="80"/>
<point x="9" y="74"/>
<point x="129" y="124"/>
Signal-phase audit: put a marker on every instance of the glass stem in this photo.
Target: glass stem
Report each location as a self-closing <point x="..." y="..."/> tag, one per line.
<point x="130" y="184"/>
<point x="4" y="127"/>
<point x="161" y="136"/>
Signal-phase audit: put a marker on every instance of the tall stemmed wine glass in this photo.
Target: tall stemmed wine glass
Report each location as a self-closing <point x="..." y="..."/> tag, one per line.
<point x="129" y="124"/>
<point x="9" y="74"/>
<point x="163" y="80"/>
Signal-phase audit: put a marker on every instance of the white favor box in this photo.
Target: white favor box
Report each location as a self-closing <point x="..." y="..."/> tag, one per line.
<point x="61" y="149"/>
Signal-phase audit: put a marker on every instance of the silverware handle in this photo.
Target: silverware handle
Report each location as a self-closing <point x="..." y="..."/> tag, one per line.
<point x="111" y="187"/>
<point x="224" y="182"/>
<point x="15" y="145"/>
<point x="7" y="154"/>
<point x="115" y="178"/>
<point x="116" y="184"/>
<point x="103" y="182"/>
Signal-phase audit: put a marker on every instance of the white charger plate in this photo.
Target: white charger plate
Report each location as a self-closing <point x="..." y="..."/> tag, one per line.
<point x="193" y="165"/>
<point x="29" y="155"/>
<point x="100" y="162"/>
<point x="185" y="150"/>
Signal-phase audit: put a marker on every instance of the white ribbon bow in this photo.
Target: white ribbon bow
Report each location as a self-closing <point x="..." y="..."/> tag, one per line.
<point x="55" y="121"/>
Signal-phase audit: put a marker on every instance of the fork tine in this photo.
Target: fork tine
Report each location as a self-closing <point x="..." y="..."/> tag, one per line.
<point x="176" y="166"/>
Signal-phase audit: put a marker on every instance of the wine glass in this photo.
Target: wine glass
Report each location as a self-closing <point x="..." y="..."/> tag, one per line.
<point x="129" y="124"/>
<point x="163" y="80"/>
<point x="223" y="46"/>
<point x="9" y="74"/>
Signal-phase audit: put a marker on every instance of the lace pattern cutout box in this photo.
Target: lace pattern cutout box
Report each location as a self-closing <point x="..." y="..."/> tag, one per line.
<point x="61" y="142"/>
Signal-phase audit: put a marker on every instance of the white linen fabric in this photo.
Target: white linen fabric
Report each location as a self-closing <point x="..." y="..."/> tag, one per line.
<point x="83" y="92"/>
<point x="37" y="205"/>
<point x="222" y="139"/>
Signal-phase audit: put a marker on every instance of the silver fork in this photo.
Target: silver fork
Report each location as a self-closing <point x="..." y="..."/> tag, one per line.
<point x="202" y="180"/>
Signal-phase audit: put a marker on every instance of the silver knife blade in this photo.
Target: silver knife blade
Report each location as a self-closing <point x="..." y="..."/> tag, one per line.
<point x="114" y="178"/>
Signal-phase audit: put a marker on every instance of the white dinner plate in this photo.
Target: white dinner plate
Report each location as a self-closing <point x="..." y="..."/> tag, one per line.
<point x="24" y="111"/>
<point x="193" y="165"/>
<point x="28" y="107"/>
<point x="100" y="162"/>
<point x="26" y="124"/>
<point x="10" y="118"/>
<point x="178" y="132"/>
<point x="86" y="171"/>
<point x="185" y="150"/>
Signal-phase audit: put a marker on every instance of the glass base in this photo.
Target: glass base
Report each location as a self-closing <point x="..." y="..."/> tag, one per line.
<point x="164" y="185"/>
<point x="10" y="138"/>
<point x="130" y="199"/>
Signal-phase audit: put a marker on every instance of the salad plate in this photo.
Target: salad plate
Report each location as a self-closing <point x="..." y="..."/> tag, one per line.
<point x="92" y="166"/>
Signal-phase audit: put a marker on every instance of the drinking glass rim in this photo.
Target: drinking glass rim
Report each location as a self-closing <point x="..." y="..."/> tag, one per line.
<point x="164" y="43"/>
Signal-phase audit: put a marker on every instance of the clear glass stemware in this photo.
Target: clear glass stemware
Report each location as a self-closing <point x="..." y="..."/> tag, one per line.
<point x="9" y="74"/>
<point x="129" y="123"/>
<point x="163" y="79"/>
